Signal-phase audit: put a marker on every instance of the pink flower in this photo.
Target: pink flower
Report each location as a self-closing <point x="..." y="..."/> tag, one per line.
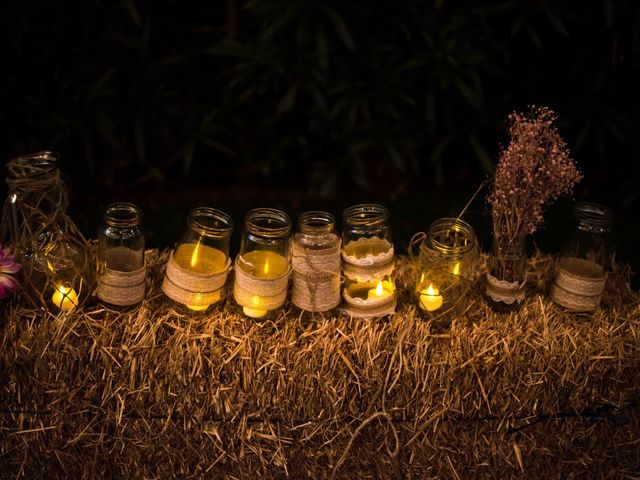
<point x="8" y="266"/>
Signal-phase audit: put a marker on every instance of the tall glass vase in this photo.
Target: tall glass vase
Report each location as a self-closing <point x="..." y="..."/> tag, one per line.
<point x="507" y="277"/>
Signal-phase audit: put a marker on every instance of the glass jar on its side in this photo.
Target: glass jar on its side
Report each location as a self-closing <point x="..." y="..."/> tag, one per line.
<point x="121" y="265"/>
<point x="316" y="262"/>
<point x="582" y="267"/>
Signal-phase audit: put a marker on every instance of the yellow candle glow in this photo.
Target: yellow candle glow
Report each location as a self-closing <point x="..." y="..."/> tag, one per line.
<point x="383" y="289"/>
<point x="430" y="299"/>
<point x="65" y="298"/>
<point x="456" y="268"/>
<point x="201" y="259"/>
<point x="263" y="264"/>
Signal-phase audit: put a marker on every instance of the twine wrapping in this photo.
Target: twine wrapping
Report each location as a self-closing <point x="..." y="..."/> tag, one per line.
<point x="271" y="291"/>
<point x="578" y="284"/>
<point x="316" y="276"/>
<point x="366" y="269"/>
<point x="122" y="284"/>
<point x="504" y="291"/>
<point x="191" y="288"/>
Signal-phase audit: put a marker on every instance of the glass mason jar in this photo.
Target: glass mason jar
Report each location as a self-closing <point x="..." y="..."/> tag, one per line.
<point x="198" y="267"/>
<point x="368" y="261"/>
<point x="582" y="267"/>
<point x="262" y="266"/>
<point x="316" y="262"/>
<point x="446" y="264"/>
<point x="121" y="267"/>
<point x="57" y="273"/>
<point x="507" y="277"/>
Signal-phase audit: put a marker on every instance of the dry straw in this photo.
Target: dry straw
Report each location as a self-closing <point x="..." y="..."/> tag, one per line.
<point x="155" y="393"/>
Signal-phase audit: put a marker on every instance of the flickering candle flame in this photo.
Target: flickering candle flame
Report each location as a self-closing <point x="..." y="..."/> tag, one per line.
<point x="430" y="298"/>
<point x="383" y="289"/>
<point x="65" y="298"/>
<point x="255" y="312"/>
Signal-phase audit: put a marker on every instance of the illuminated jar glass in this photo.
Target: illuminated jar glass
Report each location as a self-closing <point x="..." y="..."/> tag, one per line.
<point x="581" y="270"/>
<point x="446" y="263"/>
<point x="368" y="261"/>
<point x="198" y="267"/>
<point x="57" y="273"/>
<point x="262" y="266"/>
<point x="316" y="262"/>
<point x="121" y="267"/>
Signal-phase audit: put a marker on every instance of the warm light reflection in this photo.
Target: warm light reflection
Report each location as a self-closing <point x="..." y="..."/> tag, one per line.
<point x="266" y="267"/>
<point x="456" y="269"/>
<point x="196" y="253"/>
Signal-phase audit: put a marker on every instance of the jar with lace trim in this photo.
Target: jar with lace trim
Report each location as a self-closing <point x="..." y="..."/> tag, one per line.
<point x="507" y="276"/>
<point x="198" y="267"/>
<point x="262" y="267"/>
<point x="368" y="262"/>
<point x="316" y="263"/>
<point x="581" y="271"/>
<point x="121" y="267"/>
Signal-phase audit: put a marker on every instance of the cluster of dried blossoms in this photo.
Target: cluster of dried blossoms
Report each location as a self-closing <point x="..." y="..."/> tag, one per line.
<point x="533" y="170"/>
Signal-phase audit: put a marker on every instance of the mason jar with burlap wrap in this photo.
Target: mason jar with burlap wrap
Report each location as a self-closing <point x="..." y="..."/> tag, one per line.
<point x="316" y="262"/>
<point x="581" y="270"/>
<point x="121" y="265"/>
<point x="262" y="268"/>
<point x="198" y="267"/>
<point x="368" y="262"/>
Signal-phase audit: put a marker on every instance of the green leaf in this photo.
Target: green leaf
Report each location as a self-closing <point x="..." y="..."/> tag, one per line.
<point x="340" y="28"/>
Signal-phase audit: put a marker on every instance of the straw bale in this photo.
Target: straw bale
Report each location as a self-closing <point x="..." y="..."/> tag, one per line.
<point x="156" y="393"/>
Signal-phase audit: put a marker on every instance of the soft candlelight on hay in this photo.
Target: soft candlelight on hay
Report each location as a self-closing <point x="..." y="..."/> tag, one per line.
<point x="368" y="261"/>
<point x="64" y="297"/>
<point x="198" y="267"/>
<point x="263" y="264"/>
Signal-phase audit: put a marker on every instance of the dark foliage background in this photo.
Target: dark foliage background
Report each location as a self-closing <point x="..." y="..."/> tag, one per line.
<point x="312" y="103"/>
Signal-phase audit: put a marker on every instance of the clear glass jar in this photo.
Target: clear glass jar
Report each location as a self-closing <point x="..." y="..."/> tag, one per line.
<point x="368" y="261"/>
<point x="316" y="262"/>
<point x="198" y="266"/>
<point x="262" y="265"/>
<point x="446" y="264"/>
<point x="57" y="273"/>
<point x="121" y="267"/>
<point x="582" y="267"/>
<point x="506" y="277"/>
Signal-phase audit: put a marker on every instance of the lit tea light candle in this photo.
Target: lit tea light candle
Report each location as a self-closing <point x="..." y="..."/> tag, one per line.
<point x="203" y="260"/>
<point x="430" y="298"/>
<point x="65" y="298"/>
<point x="382" y="290"/>
<point x="263" y="265"/>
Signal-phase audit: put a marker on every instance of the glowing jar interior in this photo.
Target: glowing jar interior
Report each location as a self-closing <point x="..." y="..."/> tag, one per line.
<point x="266" y="265"/>
<point x="201" y="259"/>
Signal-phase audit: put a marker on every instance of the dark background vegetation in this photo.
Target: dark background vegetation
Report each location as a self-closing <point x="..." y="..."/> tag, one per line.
<point x="308" y="104"/>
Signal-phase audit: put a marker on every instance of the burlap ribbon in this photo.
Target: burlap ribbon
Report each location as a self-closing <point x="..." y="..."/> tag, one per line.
<point x="122" y="284"/>
<point x="504" y="291"/>
<point x="316" y="276"/>
<point x="272" y="292"/>
<point x="369" y="268"/>
<point x="578" y="284"/>
<point x="191" y="288"/>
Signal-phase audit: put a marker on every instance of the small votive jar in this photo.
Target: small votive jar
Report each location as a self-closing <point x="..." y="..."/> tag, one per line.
<point x="368" y="261"/>
<point x="262" y="266"/>
<point x="198" y="267"/>
<point x="316" y="262"/>
<point x="446" y="263"/>
<point x="581" y="270"/>
<point x="121" y="266"/>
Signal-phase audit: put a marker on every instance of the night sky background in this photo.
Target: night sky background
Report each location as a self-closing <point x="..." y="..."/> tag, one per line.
<point x="310" y="104"/>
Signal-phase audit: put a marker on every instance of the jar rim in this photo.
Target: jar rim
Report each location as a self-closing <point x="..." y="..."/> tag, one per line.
<point x="122" y="214"/>
<point x="366" y="214"/>
<point x="316" y="222"/>
<point x="36" y="163"/>
<point x="268" y="222"/>
<point x="468" y="239"/>
<point x="210" y="221"/>
<point x="593" y="216"/>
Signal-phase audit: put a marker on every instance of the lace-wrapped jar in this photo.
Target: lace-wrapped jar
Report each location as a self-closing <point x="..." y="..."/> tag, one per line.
<point x="368" y="261"/>
<point x="581" y="271"/>
<point x="198" y="267"/>
<point x="121" y="267"/>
